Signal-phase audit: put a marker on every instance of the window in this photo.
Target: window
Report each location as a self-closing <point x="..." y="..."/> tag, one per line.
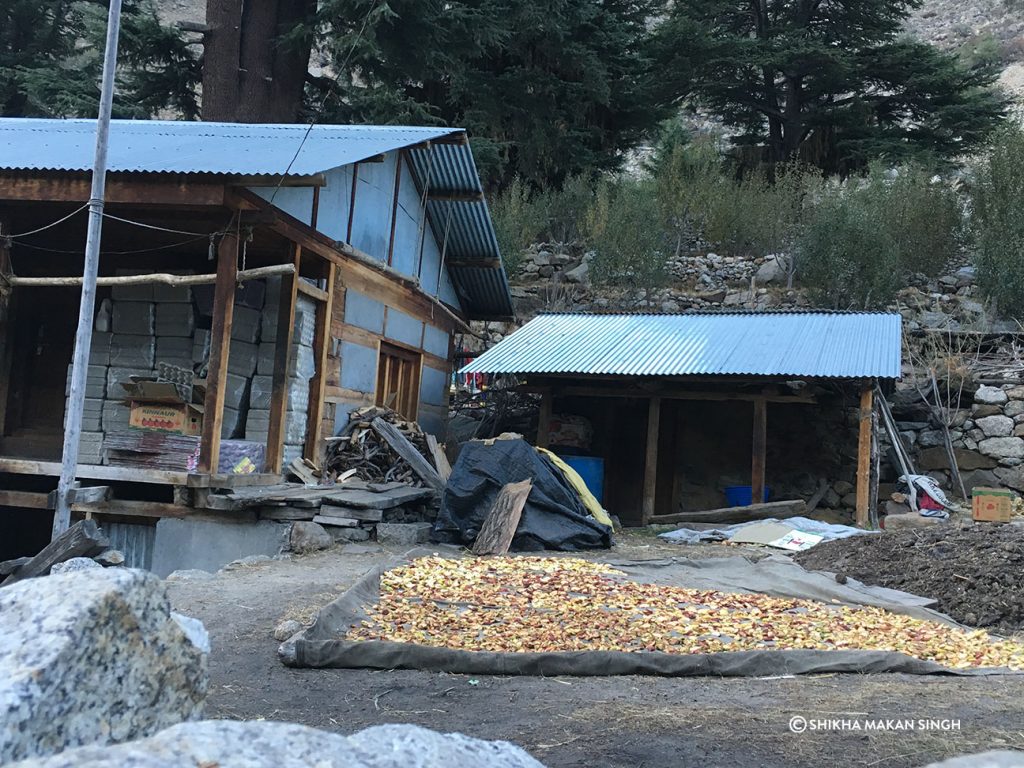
<point x="398" y="380"/>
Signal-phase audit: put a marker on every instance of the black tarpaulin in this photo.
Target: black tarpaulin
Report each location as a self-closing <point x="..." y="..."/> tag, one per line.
<point x="554" y="516"/>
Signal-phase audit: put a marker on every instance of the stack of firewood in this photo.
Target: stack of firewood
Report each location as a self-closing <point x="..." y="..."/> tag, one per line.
<point x="360" y="448"/>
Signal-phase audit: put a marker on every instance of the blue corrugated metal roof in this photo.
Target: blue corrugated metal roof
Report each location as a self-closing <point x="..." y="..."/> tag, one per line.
<point x="168" y="146"/>
<point x="802" y="344"/>
<point x="242" y="149"/>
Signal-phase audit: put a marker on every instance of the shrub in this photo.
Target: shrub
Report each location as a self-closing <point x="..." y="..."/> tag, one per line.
<point x="997" y="223"/>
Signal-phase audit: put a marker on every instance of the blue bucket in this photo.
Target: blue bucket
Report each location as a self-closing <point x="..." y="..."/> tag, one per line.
<point x="742" y="495"/>
<point x="591" y="469"/>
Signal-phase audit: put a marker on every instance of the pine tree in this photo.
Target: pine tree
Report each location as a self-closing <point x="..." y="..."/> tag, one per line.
<point x="51" y="56"/>
<point x="831" y="83"/>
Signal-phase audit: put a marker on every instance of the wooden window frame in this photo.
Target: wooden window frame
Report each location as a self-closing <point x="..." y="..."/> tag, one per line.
<point x="399" y="371"/>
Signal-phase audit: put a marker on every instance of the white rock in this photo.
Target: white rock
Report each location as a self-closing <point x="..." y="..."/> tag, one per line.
<point x="261" y="744"/>
<point x="92" y="657"/>
<point x="1002" y="447"/>
<point x="990" y="396"/>
<point x="578" y="274"/>
<point x="774" y="270"/>
<point x="75" y="564"/>
<point x="995" y="426"/>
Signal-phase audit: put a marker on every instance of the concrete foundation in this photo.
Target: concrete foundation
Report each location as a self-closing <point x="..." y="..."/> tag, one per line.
<point x="208" y="545"/>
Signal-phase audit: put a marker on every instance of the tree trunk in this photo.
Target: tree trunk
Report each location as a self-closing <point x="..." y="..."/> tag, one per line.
<point x="249" y="75"/>
<point x="793" y="126"/>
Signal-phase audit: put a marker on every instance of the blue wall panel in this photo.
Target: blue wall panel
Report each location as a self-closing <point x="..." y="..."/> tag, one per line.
<point x="363" y="311"/>
<point x="435" y="341"/>
<point x="358" y="367"/>
<point x="296" y="201"/>
<point x="433" y="386"/>
<point x="371" y="228"/>
<point x="403" y="328"/>
<point x="332" y="213"/>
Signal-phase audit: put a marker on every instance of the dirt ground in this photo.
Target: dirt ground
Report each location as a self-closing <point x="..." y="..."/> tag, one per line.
<point x="615" y="721"/>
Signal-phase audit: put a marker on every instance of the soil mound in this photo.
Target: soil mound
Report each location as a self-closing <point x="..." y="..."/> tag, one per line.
<point x="975" y="572"/>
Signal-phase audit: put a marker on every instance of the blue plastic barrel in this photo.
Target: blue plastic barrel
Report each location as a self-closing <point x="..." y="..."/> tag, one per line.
<point x="742" y="495"/>
<point x="591" y="469"/>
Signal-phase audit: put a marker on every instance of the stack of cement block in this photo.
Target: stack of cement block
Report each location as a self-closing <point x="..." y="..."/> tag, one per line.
<point x="301" y="368"/>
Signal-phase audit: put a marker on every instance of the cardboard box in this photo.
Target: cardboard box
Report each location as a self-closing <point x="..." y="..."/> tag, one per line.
<point x="179" y="418"/>
<point x="992" y="505"/>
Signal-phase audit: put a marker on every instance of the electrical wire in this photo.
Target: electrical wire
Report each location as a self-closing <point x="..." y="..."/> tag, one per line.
<point x="48" y="226"/>
<point x="154" y="227"/>
<point x="323" y="103"/>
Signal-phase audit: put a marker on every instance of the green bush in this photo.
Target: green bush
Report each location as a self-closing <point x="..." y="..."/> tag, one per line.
<point x="622" y="228"/>
<point x="997" y="222"/>
<point x="866" y="235"/>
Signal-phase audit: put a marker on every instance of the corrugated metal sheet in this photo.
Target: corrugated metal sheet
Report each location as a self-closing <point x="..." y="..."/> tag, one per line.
<point x="163" y="146"/>
<point x="134" y="541"/>
<point x="804" y="344"/>
<point x="167" y="146"/>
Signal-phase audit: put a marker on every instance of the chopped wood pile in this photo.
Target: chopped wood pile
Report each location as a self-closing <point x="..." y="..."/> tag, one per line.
<point x="362" y="448"/>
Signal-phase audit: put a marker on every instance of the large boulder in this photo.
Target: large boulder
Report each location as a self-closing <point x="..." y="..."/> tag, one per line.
<point x="936" y="458"/>
<point x="94" y="657"/>
<point x="308" y="537"/>
<point x="774" y="270"/>
<point x="232" y="744"/>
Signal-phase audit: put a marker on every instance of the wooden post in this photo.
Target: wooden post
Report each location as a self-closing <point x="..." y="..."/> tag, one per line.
<point x="544" y="420"/>
<point x="394" y="206"/>
<point x="760" y="442"/>
<point x="220" y="344"/>
<point x="282" y="352"/>
<point x="651" y="459"/>
<point x="352" y="203"/>
<point x="318" y="384"/>
<point x="864" y="456"/>
<point x="6" y="326"/>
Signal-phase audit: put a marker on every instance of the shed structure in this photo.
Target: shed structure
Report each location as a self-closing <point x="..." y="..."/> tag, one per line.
<point x="680" y="403"/>
<point x="321" y="269"/>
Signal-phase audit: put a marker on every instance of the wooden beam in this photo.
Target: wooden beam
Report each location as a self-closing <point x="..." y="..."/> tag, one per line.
<point x="780" y="509"/>
<point x="394" y="205"/>
<point x="544" y="419"/>
<point x="667" y="393"/>
<point x="128" y="189"/>
<point x="352" y="202"/>
<point x="220" y="344"/>
<point x="314" y="180"/>
<point x="499" y="527"/>
<point x="441" y="463"/>
<point x="482" y="262"/>
<point x="25" y="500"/>
<point x="864" y="457"/>
<point x="282" y="353"/>
<point x="651" y="460"/>
<point x="6" y="327"/>
<point x="313" y="214"/>
<point x="456" y="197"/>
<point x="162" y="278"/>
<point x="758" y="451"/>
<point x="93" y="472"/>
<point x="317" y="294"/>
<point x="125" y="508"/>
<point x="318" y="384"/>
<point x="83" y="539"/>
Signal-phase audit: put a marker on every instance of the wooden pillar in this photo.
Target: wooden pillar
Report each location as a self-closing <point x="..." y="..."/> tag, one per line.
<point x="282" y="353"/>
<point x="651" y="460"/>
<point x="352" y="203"/>
<point x="318" y="384"/>
<point x="394" y="206"/>
<point x="544" y="420"/>
<point x="865" y="430"/>
<point x="6" y="326"/>
<point x="759" y="448"/>
<point x="220" y="343"/>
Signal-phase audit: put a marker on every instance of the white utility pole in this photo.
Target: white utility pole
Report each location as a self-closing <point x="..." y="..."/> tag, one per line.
<point x="83" y="337"/>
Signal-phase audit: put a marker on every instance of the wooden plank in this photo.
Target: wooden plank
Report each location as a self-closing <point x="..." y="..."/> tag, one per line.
<point x="178" y="191"/>
<point x="780" y="509"/>
<point x="96" y="494"/>
<point x="220" y="342"/>
<point x="651" y="460"/>
<point x="352" y="202"/>
<point x="400" y="445"/>
<point x="233" y="481"/>
<point x="374" y="499"/>
<point x="95" y="472"/>
<point x="441" y="463"/>
<point x="337" y="522"/>
<point x="318" y="384"/>
<point x="7" y="567"/>
<point x="331" y="509"/>
<point x="308" y="289"/>
<point x="126" y="508"/>
<point x="24" y="500"/>
<point x="394" y="205"/>
<point x="83" y="539"/>
<point x="544" y="420"/>
<point x="300" y="470"/>
<point x="500" y="525"/>
<point x="758" y="449"/>
<point x="864" y="457"/>
<point x="282" y="351"/>
<point x="286" y="513"/>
